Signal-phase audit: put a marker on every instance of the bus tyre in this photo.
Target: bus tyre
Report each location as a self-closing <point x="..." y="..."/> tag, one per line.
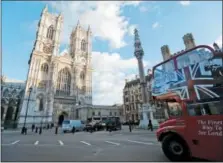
<point x="175" y="148"/>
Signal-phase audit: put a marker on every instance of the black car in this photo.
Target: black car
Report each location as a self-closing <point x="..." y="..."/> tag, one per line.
<point x="94" y="126"/>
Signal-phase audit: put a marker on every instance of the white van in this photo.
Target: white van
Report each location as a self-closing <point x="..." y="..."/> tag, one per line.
<point x="67" y="125"/>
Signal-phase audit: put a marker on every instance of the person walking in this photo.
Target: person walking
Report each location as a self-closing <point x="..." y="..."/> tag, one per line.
<point x="150" y="125"/>
<point x="33" y="127"/>
<point x="73" y="130"/>
<point x="130" y="126"/>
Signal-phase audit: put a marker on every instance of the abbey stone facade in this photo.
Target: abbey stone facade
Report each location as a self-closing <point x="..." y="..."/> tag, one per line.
<point x="58" y="82"/>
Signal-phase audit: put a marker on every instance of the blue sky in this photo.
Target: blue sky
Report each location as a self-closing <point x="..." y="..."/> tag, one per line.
<point x="172" y="19"/>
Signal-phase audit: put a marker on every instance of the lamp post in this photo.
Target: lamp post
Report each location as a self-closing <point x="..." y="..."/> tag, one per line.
<point x="41" y="123"/>
<point x="24" y="129"/>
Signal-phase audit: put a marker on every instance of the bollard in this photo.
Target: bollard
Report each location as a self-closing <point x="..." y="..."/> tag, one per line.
<point x="48" y="126"/>
<point x="40" y="130"/>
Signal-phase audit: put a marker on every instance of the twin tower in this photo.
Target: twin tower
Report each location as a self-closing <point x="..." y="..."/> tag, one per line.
<point x="188" y="42"/>
<point x="49" y="34"/>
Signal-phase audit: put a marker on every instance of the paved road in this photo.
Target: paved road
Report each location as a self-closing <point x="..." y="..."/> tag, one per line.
<point x="82" y="146"/>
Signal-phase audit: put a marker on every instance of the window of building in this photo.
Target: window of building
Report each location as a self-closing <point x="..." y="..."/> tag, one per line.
<point x="83" y="45"/>
<point x="93" y="113"/>
<point x="120" y="113"/>
<point x="110" y="113"/>
<point x="209" y="108"/>
<point x="99" y="113"/>
<point x="115" y="113"/>
<point x="40" y="103"/>
<point x="50" y="32"/>
<point x="44" y="67"/>
<point x="63" y="82"/>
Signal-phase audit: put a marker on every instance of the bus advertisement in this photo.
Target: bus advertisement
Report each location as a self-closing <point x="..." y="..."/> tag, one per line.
<point x="190" y="85"/>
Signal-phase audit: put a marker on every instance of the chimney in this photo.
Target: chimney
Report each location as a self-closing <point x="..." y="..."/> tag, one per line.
<point x="189" y="41"/>
<point x="165" y="52"/>
<point x="136" y="76"/>
<point x="126" y="80"/>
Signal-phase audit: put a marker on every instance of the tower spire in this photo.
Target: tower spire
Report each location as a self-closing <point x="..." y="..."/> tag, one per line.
<point x="45" y="9"/>
<point x="138" y="47"/>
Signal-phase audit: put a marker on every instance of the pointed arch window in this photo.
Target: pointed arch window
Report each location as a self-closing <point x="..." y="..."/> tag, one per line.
<point x="63" y="82"/>
<point x="40" y="103"/>
<point x="82" y="76"/>
<point x="50" y="32"/>
<point x="44" y="73"/>
<point x="44" y="67"/>
<point x="83" y="45"/>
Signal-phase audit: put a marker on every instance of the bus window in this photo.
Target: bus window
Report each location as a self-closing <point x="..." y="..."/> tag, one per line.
<point x="208" y="108"/>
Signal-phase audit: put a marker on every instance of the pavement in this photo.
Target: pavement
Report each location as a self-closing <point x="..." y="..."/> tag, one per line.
<point x="139" y="145"/>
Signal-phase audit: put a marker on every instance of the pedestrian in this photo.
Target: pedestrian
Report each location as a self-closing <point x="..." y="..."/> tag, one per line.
<point x="130" y="126"/>
<point x="36" y="129"/>
<point x="150" y="125"/>
<point x="73" y="130"/>
<point x="56" y="130"/>
<point x="33" y="127"/>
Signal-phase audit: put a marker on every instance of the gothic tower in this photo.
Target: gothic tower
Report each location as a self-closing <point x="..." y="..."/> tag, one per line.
<point x="165" y="52"/>
<point x="40" y="68"/>
<point x="80" y="51"/>
<point x="189" y="41"/>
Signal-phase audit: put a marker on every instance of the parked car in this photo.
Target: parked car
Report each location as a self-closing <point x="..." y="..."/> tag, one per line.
<point x="113" y="124"/>
<point x="94" y="126"/>
<point x="68" y="125"/>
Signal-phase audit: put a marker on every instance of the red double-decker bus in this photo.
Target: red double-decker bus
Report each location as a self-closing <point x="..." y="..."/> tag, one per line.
<point x="190" y="86"/>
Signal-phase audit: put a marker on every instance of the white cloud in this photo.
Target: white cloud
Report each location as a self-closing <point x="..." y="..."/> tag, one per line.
<point x="156" y="25"/>
<point x="110" y="72"/>
<point x="104" y="17"/>
<point x="185" y="3"/>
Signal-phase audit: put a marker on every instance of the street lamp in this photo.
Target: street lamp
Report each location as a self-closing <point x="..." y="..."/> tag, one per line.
<point x="24" y="129"/>
<point x="41" y="123"/>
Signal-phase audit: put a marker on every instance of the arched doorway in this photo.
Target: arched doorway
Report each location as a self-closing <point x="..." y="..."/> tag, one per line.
<point x="60" y="119"/>
<point x="8" y="117"/>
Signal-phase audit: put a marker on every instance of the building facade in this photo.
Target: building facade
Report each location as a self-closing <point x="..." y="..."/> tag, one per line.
<point x="57" y="82"/>
<point x="132" y="98"/>
<point x="102" y="112"/>
<point x="12" y="93"/>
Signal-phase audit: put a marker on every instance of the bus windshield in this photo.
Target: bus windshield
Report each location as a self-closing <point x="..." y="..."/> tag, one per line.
<point x="174" y="109"/>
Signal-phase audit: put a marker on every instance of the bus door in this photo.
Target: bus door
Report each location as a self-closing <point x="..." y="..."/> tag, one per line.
<point x="205" y="130"/>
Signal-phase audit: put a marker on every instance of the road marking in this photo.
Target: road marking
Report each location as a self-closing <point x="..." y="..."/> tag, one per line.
<point x="112" y="143"/>
<point x="139" y="142"/>
<point x="85" y="142"/>
<point x="15" y="142"/>
<point x="61" y="143"/>
<point x="36" y="143"/>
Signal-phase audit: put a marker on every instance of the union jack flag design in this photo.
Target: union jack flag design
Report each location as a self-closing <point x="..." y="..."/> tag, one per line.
<point x="198" y="84"/>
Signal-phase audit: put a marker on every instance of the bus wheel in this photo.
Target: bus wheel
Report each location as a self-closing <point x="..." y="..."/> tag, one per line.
<point x="175" y="148"/>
